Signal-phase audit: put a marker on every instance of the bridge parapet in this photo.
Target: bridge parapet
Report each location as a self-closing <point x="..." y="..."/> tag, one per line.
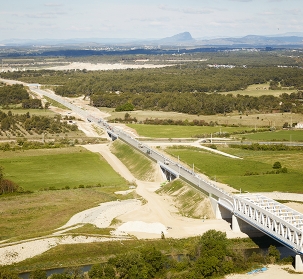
<point x="274" y="219"/>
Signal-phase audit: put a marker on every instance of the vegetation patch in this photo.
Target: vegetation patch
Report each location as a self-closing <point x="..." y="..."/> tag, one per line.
<point x="208" y="256"/>
<point x="138" y="164"/>
<point x="37" y="214"/>
<point x="189" y="201"/>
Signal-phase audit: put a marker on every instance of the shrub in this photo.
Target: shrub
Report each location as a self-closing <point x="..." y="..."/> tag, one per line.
<point x="277" y="165"/>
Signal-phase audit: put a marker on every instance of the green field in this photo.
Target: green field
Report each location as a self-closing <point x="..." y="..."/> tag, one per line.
<point x="174" y="131"/>
<point x="281" y="135"/>
<point x="58" y="168"/>
<point x="38" y="213"/>
<point x="258" y="90"/>
<point x="256" y="163"/>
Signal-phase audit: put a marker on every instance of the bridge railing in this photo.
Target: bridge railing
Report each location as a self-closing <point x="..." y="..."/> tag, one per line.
<point x="278" y="221"/>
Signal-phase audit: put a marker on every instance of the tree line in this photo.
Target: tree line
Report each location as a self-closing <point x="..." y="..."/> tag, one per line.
<point x="199" y="103"/>
<point x="13" y="94"/>
<point x="6" y="185"/>
<point x="172" y="79"/>
<point x="17" y="94"/>
<point x="192" y="77"/>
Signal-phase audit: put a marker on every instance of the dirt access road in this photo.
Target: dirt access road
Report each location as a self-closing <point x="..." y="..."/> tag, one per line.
<point x="158" y="209"/>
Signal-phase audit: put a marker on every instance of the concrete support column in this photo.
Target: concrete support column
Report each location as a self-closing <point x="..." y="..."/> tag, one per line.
<point x="235" y="226"/>
<point x="299" y="263"/>
<point x="218" y="212"/>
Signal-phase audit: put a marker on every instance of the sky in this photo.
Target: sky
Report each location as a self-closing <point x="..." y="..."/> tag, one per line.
<point x="147" y="19"/>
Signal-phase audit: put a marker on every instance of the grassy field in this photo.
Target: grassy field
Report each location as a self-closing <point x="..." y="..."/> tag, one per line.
<point x="234" y="171"/>
<point x="174" y="131"/>
<point x="41" y="112"/>
<point x="257" y="90"/>
<point x="281" y="135"/>
<point x="37" y="214"/>
<point x="58" y="168"/>
<point x="235" y="118"/>
<point x="137" y="163"/>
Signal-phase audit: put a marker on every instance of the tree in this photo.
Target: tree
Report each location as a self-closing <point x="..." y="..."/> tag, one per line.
<point x="38" y="274"/>
<point x="273" y="254"/>
<point x="6" y="274"/>
<point x="46" y="105"/>
<point x="277" y="165"/>
<point x="102" y="271"/>
<point x="154" y="260"/>
<point x="8" y="186"/>
<point x="207" y="266"/>
<point x="130" y="265"/>
<point x="5" y="124"/>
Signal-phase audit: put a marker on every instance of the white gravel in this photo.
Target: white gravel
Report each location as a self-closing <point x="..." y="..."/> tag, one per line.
<point x="21" y="251"/>
<point x="104" y="66"/>
<point x="102" y="215"/>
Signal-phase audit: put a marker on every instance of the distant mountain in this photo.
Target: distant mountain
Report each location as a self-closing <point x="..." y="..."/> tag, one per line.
<point x="254" y="40"/>
<point x="182" y="39"/>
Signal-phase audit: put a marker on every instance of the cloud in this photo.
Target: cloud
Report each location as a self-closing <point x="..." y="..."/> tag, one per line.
<point x="294" y="12"/>
<point x="186" y="10"/>
<point x="148" y="19"/>
<point x="242" y="0"/>
<point x="53" y="5"/>
<point x="45" y="14"/>
<point x="195" y="11"/>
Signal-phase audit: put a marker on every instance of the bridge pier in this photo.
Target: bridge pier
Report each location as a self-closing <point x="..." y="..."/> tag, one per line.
<point x="235" y="226"/>
<point x="238" y="225"/>
<point x="168" y="173"/>
<point x="299" y="263"/>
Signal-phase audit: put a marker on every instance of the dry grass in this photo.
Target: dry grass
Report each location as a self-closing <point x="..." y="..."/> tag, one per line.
<point x="138" y="164"/>
<point x="257" y="90"/>
<point x="32" y="215"/>
<point x="189" y="201"/>
<point x="251" y="119"/>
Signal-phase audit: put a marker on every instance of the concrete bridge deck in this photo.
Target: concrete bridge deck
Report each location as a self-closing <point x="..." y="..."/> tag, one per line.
<point x="268" y="216"/>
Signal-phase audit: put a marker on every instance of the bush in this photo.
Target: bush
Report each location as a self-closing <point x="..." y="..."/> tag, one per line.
<point x="277" y="165"/>
<point x="273" y="254"/>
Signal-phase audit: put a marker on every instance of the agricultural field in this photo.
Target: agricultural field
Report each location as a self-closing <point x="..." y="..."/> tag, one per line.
<point x="253" y="173"/>
<point x="35" y="170"/>
<point x="281" y="135"/>
<point x="258" y="90"/>
<point x="249" y="120"/>
<point x="174" y="131"/>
